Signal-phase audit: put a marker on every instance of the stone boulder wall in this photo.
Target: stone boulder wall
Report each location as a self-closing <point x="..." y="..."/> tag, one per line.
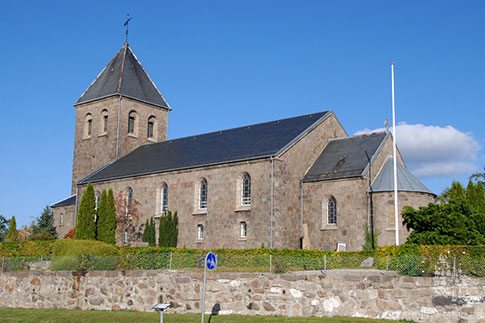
<point x="359" y="293"/>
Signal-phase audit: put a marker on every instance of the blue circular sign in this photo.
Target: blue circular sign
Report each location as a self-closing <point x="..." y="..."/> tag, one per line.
<point x="211" y="261"/>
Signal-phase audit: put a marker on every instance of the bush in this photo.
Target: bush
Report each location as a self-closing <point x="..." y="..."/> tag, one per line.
<point x="68" y="247"/>
<point x="64" y="263"/>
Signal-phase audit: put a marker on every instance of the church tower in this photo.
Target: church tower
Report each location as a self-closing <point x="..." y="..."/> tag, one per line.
<point x="121" y="110"/>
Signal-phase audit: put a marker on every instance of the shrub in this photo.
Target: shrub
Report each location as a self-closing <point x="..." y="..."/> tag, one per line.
<point x="64" y="263"/>
<point x="67" y="247"/>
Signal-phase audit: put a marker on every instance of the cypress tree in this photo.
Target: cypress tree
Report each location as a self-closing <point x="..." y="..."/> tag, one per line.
<point x="151" y="237"/>
<point x="175" y="230"/>
<point x="111" y="219"/>
<point x="102" y="230"/>
<point x="12" y="233"/>
<point x="86" y="227"/>
<point x="162" y="232"/>
<point x="146" y="232"/>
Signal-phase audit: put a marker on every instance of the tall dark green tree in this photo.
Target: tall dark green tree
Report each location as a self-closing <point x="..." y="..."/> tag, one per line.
<point x="86" y="226"/>
<point x="146" y="231"/>
<point x="3" y="228"/>
<point x="12" y="233"/>
<point x="174" y="230"/>
<point x="168" y="230"/>
<point x="111" y="221"/>
<point x="44" y="228"/>
<point x="106" y="222"/>
<point x="151" y="236"/>
<point x="163" y="239"/>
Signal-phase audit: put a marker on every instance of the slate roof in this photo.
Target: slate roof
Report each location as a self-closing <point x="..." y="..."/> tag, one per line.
<point x="238" y="144"/>
<point x="124" y="76"/>
<point x="406" y="181"/>
<point x="71" y="200"/>
<point x="345" y="157"/>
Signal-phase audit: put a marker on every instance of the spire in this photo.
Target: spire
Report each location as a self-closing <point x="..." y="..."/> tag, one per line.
<point x="125" y="76"/>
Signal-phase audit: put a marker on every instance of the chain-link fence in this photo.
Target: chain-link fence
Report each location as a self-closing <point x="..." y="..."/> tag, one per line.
<point x="450" y="266"/>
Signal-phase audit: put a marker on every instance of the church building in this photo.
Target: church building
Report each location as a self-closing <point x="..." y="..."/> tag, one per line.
<point x="300" y="182"/>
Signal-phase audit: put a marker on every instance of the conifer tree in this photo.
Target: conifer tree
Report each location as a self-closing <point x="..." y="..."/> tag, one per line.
<point x="12" y="233"/>
<point x="151" y="237"/>
<point x="146" y="232"/>
<point x="45" y="225"/>
<point x="102" y="227"/>
<point x="174" y="230"/>
<point x="111" y="219"/>
<point x="162" y="232"/>
<point x="86" y="227"/>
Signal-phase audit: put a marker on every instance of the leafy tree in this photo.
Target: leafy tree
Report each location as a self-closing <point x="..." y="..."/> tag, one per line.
<point x="12" y="233"/>
<point x="3" y="228"/>
<point x="44" y="229"/>
<point x="127" y="217"/>
<point x="86" y="227"/>
<point x="457" y="218"/>
<point x="479" y="177"/>
<point x="106" y="224"/>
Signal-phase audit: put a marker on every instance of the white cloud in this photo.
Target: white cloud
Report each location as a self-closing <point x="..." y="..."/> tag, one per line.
<point x="434" y="150"/>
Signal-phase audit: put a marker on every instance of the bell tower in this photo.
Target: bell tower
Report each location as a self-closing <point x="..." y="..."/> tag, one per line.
<point x="121" y="110"/>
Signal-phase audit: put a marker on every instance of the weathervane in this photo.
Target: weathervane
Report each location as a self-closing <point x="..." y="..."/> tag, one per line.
<point x="128" y="18"/>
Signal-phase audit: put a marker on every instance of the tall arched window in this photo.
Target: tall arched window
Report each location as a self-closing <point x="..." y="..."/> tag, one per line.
<point x="132" y="123"/>
<point x="151" y="127"/>
<point x="88" y="125"/>
<point x="164" y="198"/>
<point x="129" y="199"/>
<point x="246" y="190"/>
<point x="104" y="114"/>
<point x="332" y="211"/>
<point x="203" y="194"/>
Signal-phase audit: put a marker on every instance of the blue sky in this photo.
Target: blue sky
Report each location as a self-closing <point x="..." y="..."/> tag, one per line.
<point x="222" y="64"/>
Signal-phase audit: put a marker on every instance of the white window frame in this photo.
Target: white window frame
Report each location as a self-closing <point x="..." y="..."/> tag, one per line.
<point x="246" y="188"/>
<point x="203" y="192"/>
<point x="164" y="198"/>
<point x="243" y="225"/>
<point x="200" y="232"/>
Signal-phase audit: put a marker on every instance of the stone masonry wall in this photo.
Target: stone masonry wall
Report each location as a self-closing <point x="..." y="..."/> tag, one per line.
<point x="358" y="293"/>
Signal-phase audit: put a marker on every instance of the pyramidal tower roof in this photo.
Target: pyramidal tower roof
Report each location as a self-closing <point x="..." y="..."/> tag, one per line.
<point x="125" y="76"/>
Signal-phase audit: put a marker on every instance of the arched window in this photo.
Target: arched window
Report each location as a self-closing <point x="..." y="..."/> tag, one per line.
<point x="98" y="197"/>
<point x="164" y="198"/>
<point x="132" y="123"/>
<point x="129" y="199"/>
<point x="246" y="190"/>
<point x="203" y="194"/>
<point x="104" y="128"/>
<point x="332" y="211"/>
<point x="88" y="125"/>
<point x="244" y="229"/>
<point x="200" y="232"/>
<point x="151" y="127"/>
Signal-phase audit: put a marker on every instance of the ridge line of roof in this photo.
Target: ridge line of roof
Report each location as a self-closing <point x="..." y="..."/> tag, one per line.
<point x="99" y="169"/>
<point x="374" y="156"/>
<point x="148" y="75"/>
<point x="307" y="130"/>
<point x="123" y="58"/>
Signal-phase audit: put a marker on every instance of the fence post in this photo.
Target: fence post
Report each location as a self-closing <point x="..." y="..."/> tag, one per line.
<point x="3" y="263"/>
<point x="387" y="264"/>
<point x="324" y="262"/>
<point x="170" y="265"/>
<point x="270" y="263"/>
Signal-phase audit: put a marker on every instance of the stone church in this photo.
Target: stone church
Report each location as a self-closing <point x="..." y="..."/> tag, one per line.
<point x="300" y="182"/>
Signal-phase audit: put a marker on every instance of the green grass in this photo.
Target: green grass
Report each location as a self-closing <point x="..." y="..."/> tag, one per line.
<point x="72" y="316"/>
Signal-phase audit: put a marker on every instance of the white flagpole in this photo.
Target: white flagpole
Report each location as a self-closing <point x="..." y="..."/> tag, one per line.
<point x="396" y="214"/>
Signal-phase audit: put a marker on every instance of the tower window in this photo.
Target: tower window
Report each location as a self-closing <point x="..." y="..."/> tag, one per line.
<point x="203" y="194"/>
<point x="132" y="123"/>
<point x="105" y="121"/>
<point x="150" y="129"/>
<point x="88" y="126"/>
<point x="246" y="190"/>
<point x="200" y="232"/>
<point x="164" y="198"/>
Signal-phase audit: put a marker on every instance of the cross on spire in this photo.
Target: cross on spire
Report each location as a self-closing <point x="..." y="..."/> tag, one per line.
<point x="128" y="18"/>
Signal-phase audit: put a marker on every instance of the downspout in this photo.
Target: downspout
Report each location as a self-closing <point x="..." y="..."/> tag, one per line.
<point x="75" y="207"/>
<point x="301" y="215"/>
<point x="271" y="207"/>
<point x="370" y="219"/>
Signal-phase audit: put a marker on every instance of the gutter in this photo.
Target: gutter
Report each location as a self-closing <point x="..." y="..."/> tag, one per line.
<point x="272" y="202"/>
<point x="301" y="215"/>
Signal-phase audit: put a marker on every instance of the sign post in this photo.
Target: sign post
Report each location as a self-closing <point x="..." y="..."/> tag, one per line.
<point x="210" y="263"/>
